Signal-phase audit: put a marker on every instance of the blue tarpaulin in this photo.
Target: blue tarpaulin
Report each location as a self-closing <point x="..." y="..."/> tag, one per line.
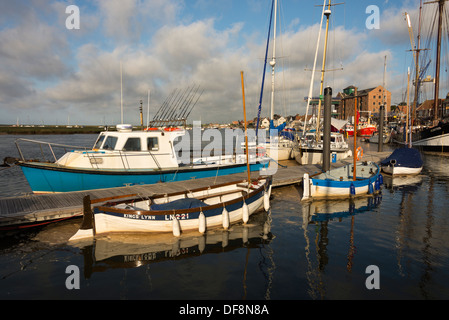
<point x="280" y="131"/>
<point x="404" y="157"/>
<point x="279" y="128"/>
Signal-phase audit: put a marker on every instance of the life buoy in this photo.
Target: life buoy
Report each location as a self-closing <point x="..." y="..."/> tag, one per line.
<point x="171" y="129"/>
<point x="151" y="129"/>
<point x="359" y="153"/>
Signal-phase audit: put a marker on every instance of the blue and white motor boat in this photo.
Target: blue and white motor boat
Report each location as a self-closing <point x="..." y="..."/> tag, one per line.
<point x="340" y="182"/>
<point x="126" y="157"/>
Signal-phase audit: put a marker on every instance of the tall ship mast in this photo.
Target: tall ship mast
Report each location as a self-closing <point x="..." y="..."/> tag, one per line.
<point x="435" y="137"/>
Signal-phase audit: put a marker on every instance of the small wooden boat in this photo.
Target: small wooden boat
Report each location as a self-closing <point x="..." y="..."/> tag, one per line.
<point x="340" y="182"/>
<point x="403" y="161"/>
<point x="198" y="209"/>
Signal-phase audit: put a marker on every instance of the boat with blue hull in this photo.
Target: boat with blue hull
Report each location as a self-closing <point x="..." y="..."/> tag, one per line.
<point x="340" y="182"/>
<point x="126" y="157"/>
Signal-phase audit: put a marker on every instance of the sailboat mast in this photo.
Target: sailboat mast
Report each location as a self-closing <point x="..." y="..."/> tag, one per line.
<point x="407" y="142"/>
<point x="437" y="63"/>
<point x="327" y="13"/>
<point x="273" y="62"/>
<point x="415" y="102"/>
<point x="121" y="92"/>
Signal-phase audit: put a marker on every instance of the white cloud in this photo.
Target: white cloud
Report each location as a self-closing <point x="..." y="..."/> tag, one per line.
<point x="162" y="48"/>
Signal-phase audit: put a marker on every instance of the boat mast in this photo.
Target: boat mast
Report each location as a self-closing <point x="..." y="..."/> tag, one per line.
<point x="121" y="92"/>
<point x="273" y="62"/>
<point x="384" y="96"/>
<point x="407" y="141"/>
<point x="417" y="50"/>
<point x="309" y="97"/>
<point x="246" y="132"/>
<point x="327" y="13"/>
<point x="437" y="63"/>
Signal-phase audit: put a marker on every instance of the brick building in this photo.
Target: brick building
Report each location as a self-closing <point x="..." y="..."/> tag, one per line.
<point x="368" y="101"/>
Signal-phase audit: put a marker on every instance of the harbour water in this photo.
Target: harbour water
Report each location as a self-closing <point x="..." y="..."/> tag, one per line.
<point x="319" y="251"/>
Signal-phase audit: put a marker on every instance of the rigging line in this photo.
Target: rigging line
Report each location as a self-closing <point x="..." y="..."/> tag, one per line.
<point x="264" y="69"/>
<point x="281" y="40"/>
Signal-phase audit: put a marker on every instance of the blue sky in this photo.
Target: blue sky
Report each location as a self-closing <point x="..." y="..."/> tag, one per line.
<point x="52" y="75"/>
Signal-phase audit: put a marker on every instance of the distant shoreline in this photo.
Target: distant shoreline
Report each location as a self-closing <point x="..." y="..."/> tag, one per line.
<point x="25" y="130"/>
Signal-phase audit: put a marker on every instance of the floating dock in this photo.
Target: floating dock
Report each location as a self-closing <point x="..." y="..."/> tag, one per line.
<point x="23" y="211"/>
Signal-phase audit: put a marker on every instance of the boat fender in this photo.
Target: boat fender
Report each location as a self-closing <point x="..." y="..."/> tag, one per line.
<point x="359" y="153"/>
<point x="225" y="218"/>
<point x="266" y="201"/>
<point x="370" y="187"/>
<point x="176" y="227"/>
<point x="245" y="212"/>
<point x="352" y="190"/>
<point x="377" y="185"/>
<point x="202" y="223"/>
<point x="381" y="179"/>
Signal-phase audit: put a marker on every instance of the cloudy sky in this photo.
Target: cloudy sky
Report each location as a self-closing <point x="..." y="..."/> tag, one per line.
<point x="51" y="74"/>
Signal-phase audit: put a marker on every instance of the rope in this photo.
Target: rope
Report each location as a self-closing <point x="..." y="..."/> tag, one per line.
<point x="278" y="163"/>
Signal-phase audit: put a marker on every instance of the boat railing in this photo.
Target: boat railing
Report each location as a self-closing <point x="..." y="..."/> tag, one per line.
<point x="51" y="148"/>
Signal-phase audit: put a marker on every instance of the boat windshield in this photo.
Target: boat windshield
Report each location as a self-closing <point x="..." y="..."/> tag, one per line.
<point x="110" y="142"/>
<point x="99" y="142"/>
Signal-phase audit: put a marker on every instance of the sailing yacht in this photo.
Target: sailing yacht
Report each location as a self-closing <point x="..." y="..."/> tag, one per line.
<point x="308" y="146"/>
<point x="278" y="147"/>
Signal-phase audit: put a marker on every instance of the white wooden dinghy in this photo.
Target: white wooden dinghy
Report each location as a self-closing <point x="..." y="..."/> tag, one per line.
<point x="210" y="207"/>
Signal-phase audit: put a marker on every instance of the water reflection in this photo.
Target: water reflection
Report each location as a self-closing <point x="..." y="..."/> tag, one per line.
<point x="402" y="183"/>
<point x="320" y="214"/>
<point x="328" y="210"/>
<point x="136" y="250"/>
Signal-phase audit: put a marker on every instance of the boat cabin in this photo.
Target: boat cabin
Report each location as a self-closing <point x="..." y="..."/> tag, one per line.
<point x="124" y="148"/>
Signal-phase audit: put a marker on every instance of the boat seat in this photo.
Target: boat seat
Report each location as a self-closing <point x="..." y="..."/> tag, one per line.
<point x="219" y="194"/>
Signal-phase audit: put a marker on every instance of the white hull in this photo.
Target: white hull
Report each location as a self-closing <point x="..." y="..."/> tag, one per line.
<point x="304" y="156"/>
<point x="401" y="170"/>
<point x="330" y="192"/>
<point x="279" y="153"/>
<point x="339" y="182"/>
<point x="105" y="223"/>
<point x="216" y="206"/>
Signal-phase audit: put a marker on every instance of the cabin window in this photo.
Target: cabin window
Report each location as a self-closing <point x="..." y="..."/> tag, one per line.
<point x="153" y="144"/>
<point x="110" y="142"/>
<point x="132" y="144"/>
<point x="99" y="142"/>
